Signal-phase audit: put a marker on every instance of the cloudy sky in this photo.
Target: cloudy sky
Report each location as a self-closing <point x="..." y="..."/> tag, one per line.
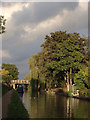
<point x="28" y="23"/>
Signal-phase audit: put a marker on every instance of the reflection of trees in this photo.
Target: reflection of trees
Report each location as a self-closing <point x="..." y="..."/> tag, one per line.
<point x="69" y="108"/>
<point x="81" y="109"/>
<point x="77" y="108"/>
<point x="47" y="106"/>
<point x="37" y="106"/>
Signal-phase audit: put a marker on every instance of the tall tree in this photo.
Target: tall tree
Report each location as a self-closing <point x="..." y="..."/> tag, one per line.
<point x="62" y="56"/>
<point x="63" y="53"/>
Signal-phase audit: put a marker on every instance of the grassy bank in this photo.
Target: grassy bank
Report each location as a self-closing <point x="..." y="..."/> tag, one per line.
<point x="5" y="89"/>
<point x="16" y="108"/>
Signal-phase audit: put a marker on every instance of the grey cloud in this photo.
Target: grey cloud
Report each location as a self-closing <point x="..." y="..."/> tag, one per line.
<point x="41" y="0"/>
<point x="41" y="11"/>
<point x="77" y="23"/>
<point x="23" y="51"/>
<point x="9" y="4"/>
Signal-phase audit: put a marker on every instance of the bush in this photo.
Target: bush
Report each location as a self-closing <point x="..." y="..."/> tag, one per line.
<point x="68" y="93"/>
<point x="81" y="79"/>
<point x="88" y="92"/>
<point x="5" y="89"/>
<point x="84" y="92"/>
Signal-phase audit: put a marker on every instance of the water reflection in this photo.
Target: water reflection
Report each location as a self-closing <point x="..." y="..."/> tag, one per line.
<point x="20" y="95"/>
<point x="54" y="106"/>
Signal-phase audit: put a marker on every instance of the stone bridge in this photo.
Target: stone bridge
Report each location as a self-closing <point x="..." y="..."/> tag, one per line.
<point x="14" y="83"/>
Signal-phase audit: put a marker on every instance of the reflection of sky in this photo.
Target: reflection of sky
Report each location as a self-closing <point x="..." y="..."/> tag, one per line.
<point x="28" y="23"/>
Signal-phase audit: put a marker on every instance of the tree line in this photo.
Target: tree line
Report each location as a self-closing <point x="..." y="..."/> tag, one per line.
<point x="62" y="62"/>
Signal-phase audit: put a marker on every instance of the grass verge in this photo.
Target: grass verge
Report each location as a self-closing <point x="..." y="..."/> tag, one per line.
<point x="5" y="89"/>
<point x="16" y="108"/>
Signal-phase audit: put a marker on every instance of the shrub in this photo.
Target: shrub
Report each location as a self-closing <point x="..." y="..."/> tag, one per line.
<point x="68" y="93"/>
<point x="85" y="92"/>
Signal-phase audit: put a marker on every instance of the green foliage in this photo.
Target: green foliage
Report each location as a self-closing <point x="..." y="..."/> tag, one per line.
<point x="13" y="72"/>
<point x="33" y="67"/>
<point x="68" y="93"/>
<point x="27" y="77"/>
<point x="81" y="79"/>
<point x="35" y="73"/>
<point x="62" y="84"/>
<point x="61" y="52"/>
<point x="84" y="92"/>
<point x="88" y="92"/>
<point x="5" y="89"/>
<point x="16" y="108"/>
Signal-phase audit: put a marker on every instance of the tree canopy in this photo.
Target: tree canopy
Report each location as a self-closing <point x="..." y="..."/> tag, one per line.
<point x="9" y="72"/>
<point x="63" y="55"/>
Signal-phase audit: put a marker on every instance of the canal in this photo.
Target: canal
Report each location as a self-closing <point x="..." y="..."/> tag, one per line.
<point x="54" y="106"/>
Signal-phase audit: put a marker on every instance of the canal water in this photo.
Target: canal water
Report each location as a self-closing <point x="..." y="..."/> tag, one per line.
<point x="55" y="106"/>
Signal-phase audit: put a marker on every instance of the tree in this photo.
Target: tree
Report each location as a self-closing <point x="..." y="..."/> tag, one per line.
<point x="2" y="24"/>
<point x="13" y="72"/>
<point x="62" y="56"/>
<point x="34" y="80"/>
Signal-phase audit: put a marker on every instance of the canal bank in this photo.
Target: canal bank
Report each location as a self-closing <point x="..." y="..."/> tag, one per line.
<point x="16" y="108"/>
<point x="63" y="92"/>
<point x="12" y="106"/>
<point x="6" y="99"/>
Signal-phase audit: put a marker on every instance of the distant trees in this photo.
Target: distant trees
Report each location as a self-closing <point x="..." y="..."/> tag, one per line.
<point x="34" y="73"/>
<point x="9" y="72"/>
<point x="27" y="77"/>
<point x="61" y="61"/>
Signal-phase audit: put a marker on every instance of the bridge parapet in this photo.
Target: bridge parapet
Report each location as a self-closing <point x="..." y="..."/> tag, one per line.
<point x="20" y="82"/>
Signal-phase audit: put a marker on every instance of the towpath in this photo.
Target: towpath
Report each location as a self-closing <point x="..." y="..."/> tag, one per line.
<point x="6" y="99"/>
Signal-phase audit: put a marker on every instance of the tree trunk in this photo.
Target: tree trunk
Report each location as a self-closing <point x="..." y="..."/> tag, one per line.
<point x="65" y="78"/>
<point x="67" y="81"/>
<point x="70" y="76"/>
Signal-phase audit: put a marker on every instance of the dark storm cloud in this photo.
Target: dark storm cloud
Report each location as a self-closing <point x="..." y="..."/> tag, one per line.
<point x="23" y="52"/>
<point x="41" y="11"/>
